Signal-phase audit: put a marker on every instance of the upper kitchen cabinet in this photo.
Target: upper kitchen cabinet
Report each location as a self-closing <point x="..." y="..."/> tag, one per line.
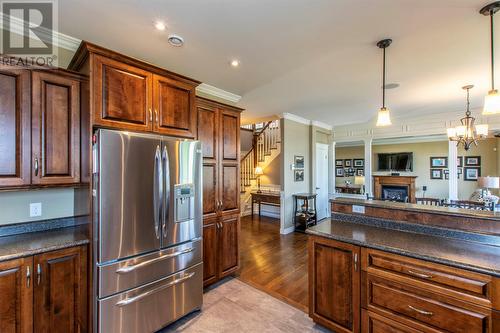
<point x="130" y="94"/>
<point x="122" y="95"/>
<point x="55" y="129"/>
<point x="174" y="109"/>
<point x="15" y="129"/>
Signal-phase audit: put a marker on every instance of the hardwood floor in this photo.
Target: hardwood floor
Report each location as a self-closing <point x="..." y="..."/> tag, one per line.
<point x="274" y="263"/>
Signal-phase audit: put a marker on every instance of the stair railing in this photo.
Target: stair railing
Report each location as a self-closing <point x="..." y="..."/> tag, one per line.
<point x="264" y="141"/>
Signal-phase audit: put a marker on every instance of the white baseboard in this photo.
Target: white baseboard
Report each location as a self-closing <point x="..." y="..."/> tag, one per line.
<point x="288" y="230"/>
<point x="275" y="215"/>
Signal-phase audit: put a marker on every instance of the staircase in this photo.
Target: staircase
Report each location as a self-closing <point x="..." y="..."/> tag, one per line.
<point x="266" y="147"/>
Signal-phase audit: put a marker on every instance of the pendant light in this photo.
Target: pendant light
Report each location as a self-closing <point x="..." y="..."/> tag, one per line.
<point x="467" y="133"/>
<point x="384" y="117"/>
<point x="492" y="100"/>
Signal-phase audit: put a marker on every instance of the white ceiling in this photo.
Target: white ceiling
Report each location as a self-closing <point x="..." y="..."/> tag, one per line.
<point x="313" y="58"/>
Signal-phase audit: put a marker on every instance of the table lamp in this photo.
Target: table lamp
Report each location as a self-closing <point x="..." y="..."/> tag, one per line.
<point x="258" y="172"/>
<point x="486" y="183"/>
<point x="360" y="180"/>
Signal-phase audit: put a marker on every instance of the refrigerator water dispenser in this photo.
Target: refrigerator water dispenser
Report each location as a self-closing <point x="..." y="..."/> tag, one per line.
<point x="184" y="202"/>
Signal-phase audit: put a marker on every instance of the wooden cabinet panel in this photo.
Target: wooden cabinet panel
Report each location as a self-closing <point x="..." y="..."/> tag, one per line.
<point x="210" y="252"/>
<point x="60" y="298"/>
<point x="15" y="133"/>
<point x="174" y="109"/>
<point x="391" y="298"/>
<point x="334" y="284"/>
<point x="210" y="193"/>
<point x="16" y="285"/>
<point x="229" y="245"/>
<point x="55" y="129"/>
<point x="375" y="323"/>
<point x="229" y="191"/>
<point x="122" y="95"/>
<point x="207" y="131"/>
<point x="230" y="135"/>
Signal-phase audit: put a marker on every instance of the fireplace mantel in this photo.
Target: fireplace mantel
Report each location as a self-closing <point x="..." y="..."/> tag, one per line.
<point x="409" y="181"/>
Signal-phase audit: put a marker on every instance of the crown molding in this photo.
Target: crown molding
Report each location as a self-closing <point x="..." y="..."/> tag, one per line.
<point x="58" y="39"/>
<point x="322" y="125"/>
<point x="217" y="92"/>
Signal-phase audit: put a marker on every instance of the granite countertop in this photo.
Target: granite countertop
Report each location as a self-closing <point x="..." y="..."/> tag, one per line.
<point x="459" y="253"/>
<point x="27" y="244"/>
<point x="483" y="214"/>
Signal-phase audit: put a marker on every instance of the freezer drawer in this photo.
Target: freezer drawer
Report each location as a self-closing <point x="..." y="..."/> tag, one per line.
<point x="131" y="273"/>
<point x="151" y="307"/>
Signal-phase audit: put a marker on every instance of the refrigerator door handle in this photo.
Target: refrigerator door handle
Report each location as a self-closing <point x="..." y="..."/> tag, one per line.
<point x="166" y="200"/>
<point x="157" y="191"/>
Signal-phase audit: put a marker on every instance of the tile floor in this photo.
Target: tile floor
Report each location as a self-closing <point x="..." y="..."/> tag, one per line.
<point x="232" y="306"/>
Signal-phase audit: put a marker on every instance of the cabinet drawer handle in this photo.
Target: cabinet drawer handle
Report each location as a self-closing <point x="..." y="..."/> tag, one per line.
<point x="150" y="115"/>
<point x="36" y="166"/>
<point x="156" y="116"/>
<point x="28" y="276"/>
<point x="130" y="268"/>
<point x="38" y="274"/>
<point x="422" y="312"/>
<point x="355" y="262"/>
<point x="420" y="275"/>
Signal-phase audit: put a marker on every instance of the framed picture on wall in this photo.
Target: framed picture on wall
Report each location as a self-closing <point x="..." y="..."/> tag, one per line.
<point x="360" y="172"/>
<point x="339" y="163"/>
<point x="299" y="162"/>
<point x="339" y="172"/>
<point x="436" y="173"/>
<point x="359" y="162"/>
<point x="472" y="160"/>
<point x="439" y="162"/>
<point x="348" y="163"/>
<point x="460" y="161"/>
<point x="472" y="174"/>
<point x="299" y="175"/>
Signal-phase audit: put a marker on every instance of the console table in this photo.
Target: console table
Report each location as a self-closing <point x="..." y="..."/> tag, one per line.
<point x="265" y="198"/>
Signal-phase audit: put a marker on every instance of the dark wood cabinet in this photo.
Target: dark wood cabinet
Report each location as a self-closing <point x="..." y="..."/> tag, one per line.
<point x="16" y="289"/>
<point x="334" y="285"/>
<point x="122" y="95"/>
<point x="60" y="295"/>
<point x="219" y="132"/>
<point x="210" y="251"/>
<point x="55" y="129"/>
<point x="129" y="94"/>
<point x="174" y="107"/>
<point x="15" y="128"/>
<point x="45" y="293"/>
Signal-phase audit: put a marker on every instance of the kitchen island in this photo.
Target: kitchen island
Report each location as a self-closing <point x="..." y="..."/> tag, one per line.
<point x="390" y="267"/>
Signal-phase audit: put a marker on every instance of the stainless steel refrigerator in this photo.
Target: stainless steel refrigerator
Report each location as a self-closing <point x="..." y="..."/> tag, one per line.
<point x="147" y="193"/>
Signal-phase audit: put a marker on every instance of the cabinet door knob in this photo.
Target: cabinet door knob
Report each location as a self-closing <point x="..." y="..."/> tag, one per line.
<point x="36" y="166"/>
<point x="38" y="274"/>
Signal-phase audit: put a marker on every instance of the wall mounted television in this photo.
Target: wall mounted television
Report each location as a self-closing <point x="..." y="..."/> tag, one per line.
<point x="395" y="162"/>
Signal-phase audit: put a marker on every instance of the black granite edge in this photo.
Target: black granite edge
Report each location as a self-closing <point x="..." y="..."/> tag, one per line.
<point x="44" y="249"/>
<point x="449" y="211"/>
<point x="402" y="252"/>
<point x="43" y="225"/>
<point x="417" y="228"/>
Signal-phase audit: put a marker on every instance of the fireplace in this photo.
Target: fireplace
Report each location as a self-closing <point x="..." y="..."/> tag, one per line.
<point x="395" y="186"/>
<point x="395" y="193"/>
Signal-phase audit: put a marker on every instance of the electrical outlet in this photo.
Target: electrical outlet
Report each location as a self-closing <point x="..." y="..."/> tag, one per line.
<point x="35" y="209"/>
<point x="358" y="209"/>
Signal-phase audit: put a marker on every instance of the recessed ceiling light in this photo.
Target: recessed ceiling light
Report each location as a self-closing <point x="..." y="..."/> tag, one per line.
<point x="235" y="63"/>
<point x="175" y="40"/>
<point x="159" y="25"/>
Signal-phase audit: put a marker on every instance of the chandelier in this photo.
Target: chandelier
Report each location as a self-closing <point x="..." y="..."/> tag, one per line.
<point x="467" y="133"/>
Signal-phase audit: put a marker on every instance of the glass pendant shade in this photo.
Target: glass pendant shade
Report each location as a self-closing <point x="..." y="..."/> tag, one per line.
<point x="452" y="132"/>
<point x="384" y="117"/>
<point x="482" y="130"/>
<point x="492" y="103"/>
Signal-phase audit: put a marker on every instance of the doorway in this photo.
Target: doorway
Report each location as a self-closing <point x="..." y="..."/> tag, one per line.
<point x="322" y="180"/>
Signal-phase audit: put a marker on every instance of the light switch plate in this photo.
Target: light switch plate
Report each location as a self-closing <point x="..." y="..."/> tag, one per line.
<point x="35" y="209"/>
<point x="358" y="209"/>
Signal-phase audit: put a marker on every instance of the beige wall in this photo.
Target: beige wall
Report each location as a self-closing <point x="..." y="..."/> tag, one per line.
<point x="272" y="172"/>
<point x="56" y="203"/>
<point x="422" y="152"/>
